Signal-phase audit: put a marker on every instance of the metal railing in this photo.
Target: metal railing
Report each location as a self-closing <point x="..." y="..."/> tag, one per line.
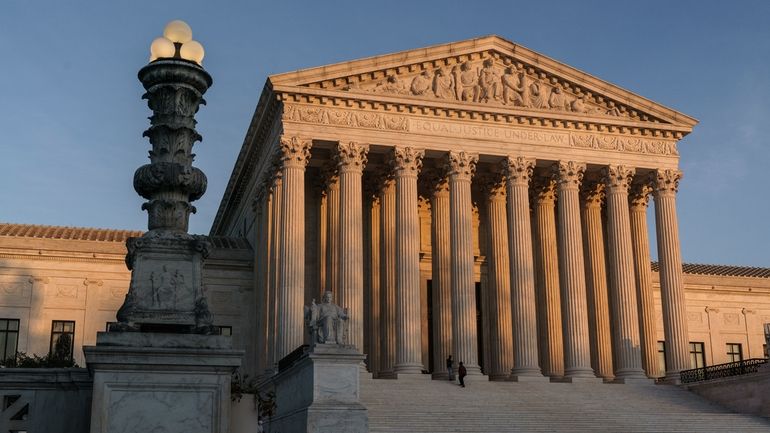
<point x="722" y="370"/>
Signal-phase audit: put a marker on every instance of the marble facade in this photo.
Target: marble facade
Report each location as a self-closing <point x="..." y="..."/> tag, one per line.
<point x="399" y="149"/>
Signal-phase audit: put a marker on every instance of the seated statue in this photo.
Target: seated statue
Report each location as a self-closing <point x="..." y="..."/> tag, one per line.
<point x="327" y="322"/>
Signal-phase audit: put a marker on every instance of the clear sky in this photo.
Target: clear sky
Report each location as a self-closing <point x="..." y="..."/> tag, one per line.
<point x="71" y="116"/>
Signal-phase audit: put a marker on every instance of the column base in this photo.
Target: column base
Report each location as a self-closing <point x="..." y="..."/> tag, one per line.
<point x="413" y="377"/>
<point x="408" y="369"/>
<point x="386" y="375"/>
<point x="499" y="377"/>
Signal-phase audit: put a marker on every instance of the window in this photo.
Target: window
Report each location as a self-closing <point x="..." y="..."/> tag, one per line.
<point x="662" y="357"/>
<point x="734" y="352"/>
<point x="62" y="338"/>
<point x="9" y="339"/>
<point x="225" y="330"/>
<point x="697" y="358"/>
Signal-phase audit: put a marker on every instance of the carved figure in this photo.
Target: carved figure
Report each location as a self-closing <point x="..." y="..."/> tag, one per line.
<point x="489" y="82"/>
<point x="327" y="321"/>
<point x="514" y="87"/>
<point x="444" y="84"/>
<point x="579" y="105"/>
<point x="391" y="85"/>
<point x="163" y="288"/>
<point x="467" y="83"/>
<point x="538" y="94"/>
<point x="421" y="84"/>
<point x="556" y="100"/>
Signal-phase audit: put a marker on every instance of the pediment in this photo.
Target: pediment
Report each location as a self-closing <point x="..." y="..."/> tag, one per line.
<point x="488" y="72"/>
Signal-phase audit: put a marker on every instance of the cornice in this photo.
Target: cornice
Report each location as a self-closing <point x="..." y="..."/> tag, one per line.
<point x="457" y="111"/>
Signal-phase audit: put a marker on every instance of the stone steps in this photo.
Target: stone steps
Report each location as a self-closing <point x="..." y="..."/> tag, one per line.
<point x="493" y="407"/>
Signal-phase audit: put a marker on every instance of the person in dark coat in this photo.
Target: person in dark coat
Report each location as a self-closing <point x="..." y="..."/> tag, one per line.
<point x="462" y="373"/>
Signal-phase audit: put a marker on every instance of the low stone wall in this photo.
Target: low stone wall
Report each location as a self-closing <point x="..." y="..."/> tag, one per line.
<point x="45" y="400"/>
<point x="743" y="394"/>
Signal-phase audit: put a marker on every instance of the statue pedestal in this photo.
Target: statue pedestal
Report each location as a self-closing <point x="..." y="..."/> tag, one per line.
<point x="319" y="392"/>
<point x="174" y="383"/>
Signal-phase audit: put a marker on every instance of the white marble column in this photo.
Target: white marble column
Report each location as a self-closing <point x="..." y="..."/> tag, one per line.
<point x="499" y="279"/>
<point x="547" y="266"/>
<point x="461" y="167"/>
<point x="596" y="279"/>
<point x="441" y="275"/>
<point x="295" y="153"/>
<point x="351" y="158"/>
<point x="332" y="256"/>
<point x="276" y="198"/>
<point x="665" y="184"/>
<point x="638" y="199"/>
<point x="373" y="310"/>
<point x="518" y="172"/>
<point x="407" y="163"/>
<point x="388" y="277"/>
<point x="577" y="351"/>
<point x="261" y="203"/>
<point x="628" y="355"/>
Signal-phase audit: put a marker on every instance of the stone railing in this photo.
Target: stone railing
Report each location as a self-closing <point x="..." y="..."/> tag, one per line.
<point x="722" y="370"/>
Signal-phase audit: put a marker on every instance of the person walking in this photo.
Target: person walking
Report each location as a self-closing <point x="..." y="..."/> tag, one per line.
<point x="450" y="368"/>
<point x="462" y="372"/>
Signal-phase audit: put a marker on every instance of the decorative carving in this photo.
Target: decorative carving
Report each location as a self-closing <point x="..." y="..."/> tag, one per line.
<point x="592" y="193"/>
<point x="356" y="119"/>
<point x="351" y="156"/>
<point x="421" y="84"/>
<point x="327" y="322"/>
<point x="444" y="84"/>
<point x="461" y="165"/>
<point x="622" y="144"/>
<point x="665" y="182"/>
<point x="618" y="177"/>
<point x="543" y="189"/>
<point x="407" y="160"/>
<point x="295" y="151"/>
<point x="518" y="170"/>
<point x="492" y="185"/>
<point x="568" y="174"/>
<point x="67" y="291"/>
<point x="732" y="319"/>
<point x="639" y="195"/>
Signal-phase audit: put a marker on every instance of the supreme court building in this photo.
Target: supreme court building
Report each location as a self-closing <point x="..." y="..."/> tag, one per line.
<point x="476" y="199"/>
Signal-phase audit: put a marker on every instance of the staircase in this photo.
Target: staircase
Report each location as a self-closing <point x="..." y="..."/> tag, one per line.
<point x="422" y="406"/>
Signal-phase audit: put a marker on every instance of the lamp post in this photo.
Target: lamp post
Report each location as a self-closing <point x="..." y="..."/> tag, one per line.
<point x="166" y="291"/>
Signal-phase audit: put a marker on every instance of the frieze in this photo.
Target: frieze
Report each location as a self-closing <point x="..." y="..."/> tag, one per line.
<point x="401" y="123"/>
<point x="492" y="79"/>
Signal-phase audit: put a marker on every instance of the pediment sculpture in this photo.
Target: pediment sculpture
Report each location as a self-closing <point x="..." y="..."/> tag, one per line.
<point x="327" y="322"/>
<point x="495" y="80"/>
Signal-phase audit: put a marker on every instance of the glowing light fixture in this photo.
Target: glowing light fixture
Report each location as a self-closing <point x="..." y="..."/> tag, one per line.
<point x="192" y="51"/>
<point x="177" y="42"/>
<point x="161" y="48"/>
<point x="178" y="31"/>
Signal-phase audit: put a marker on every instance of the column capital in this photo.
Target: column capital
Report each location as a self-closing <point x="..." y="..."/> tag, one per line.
<point x="435" y="182"/>
<point x="543" y="189"/>
<point x="665" y="182"/>
<point x="351" y="156"/>
<point x="592" y="193"/>
<point x="294" y="151"/>
<point x="518" y="170"/>
<point x="461" y="165"/>
<point x="493" y="185"/>
<point x="568" y="174"/>
<point x="406" y="161"/>
<point x="618" y="177"/>
<point x="639" y="195"/>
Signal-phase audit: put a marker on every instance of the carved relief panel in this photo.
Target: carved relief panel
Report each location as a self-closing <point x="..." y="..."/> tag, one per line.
<point x="15" y="290"/>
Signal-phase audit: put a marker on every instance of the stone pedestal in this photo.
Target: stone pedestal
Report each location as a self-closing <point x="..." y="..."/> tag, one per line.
<point x="319" y="393"/>
<point x="171" y="383"/>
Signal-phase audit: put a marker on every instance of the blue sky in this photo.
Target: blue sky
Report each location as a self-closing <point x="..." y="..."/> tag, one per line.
<point x="71" y="116"/>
